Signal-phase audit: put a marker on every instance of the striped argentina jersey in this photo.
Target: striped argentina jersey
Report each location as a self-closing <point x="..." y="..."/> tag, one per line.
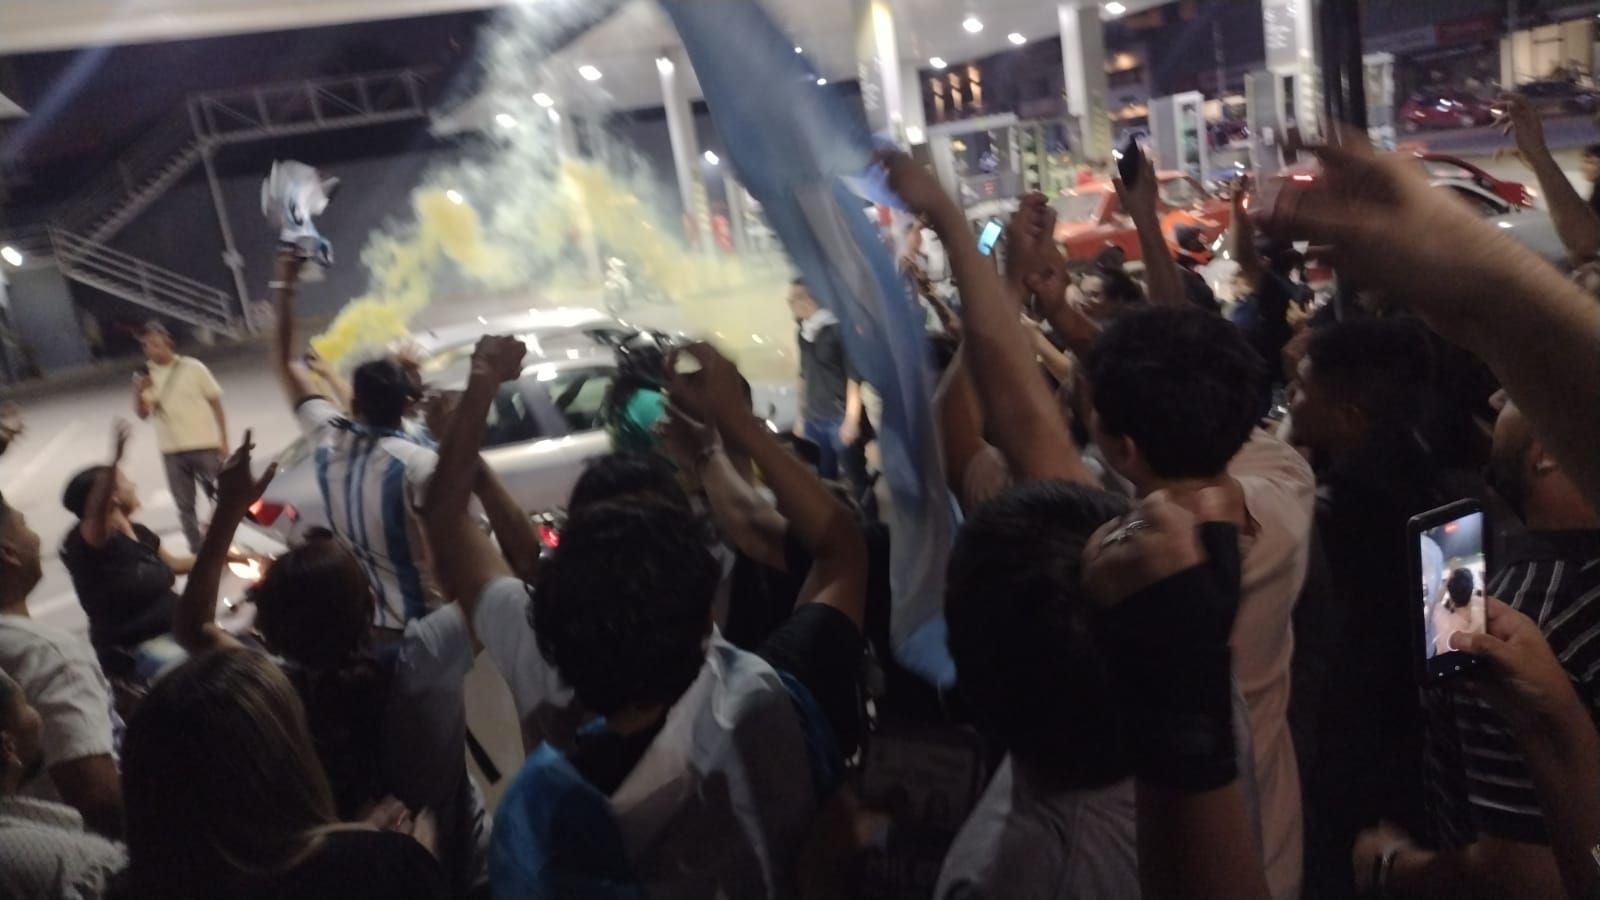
<point x="371" y="482"/>
<point x="1476" y="779"/>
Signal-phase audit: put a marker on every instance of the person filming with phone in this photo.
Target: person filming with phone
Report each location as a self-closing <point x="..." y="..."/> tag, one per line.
<point x="180" y="393"/>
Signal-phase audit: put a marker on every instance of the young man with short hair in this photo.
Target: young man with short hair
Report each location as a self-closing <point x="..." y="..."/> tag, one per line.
<point x="830" y="394"/>
<point x="191" y="428"/>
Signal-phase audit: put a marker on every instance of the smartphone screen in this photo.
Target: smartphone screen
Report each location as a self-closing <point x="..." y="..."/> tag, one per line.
<point x="1451" y="567"/>
<point x="989" y="237"/>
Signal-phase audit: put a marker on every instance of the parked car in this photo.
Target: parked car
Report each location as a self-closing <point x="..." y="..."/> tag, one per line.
<point x="542" y="429"/>
<point x="1560" y="98"/>
<point x="1441" y="166"/>
<point x="1433" y="108"/>
<point x="1089" y="218"/>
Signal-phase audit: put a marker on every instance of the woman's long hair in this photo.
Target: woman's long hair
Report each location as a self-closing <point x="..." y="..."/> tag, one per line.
<point x="220" y="780"/>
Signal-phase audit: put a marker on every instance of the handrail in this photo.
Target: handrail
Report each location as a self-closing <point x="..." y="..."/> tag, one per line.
<point x="79" y="256"/>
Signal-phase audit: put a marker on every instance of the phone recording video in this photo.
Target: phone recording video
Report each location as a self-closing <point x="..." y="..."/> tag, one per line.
<point x="989" y="236"/>
<point x="1450" y="568"/>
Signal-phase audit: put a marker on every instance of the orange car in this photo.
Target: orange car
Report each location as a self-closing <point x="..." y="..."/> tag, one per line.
<point x="1089" y="218"/>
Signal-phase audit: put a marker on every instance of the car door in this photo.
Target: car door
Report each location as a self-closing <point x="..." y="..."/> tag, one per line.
<point x="552" y="428"/>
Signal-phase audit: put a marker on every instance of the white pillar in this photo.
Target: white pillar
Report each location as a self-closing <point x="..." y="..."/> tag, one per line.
<point x="1083" y="59"/>
<point x="1290" y="30"/>
<point x="879" y="71"/>
<point x="914" y="120"/>
<point x="672" y="65"/>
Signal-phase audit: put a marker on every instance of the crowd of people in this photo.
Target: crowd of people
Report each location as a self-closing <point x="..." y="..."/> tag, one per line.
<point x="1179" y="621"/>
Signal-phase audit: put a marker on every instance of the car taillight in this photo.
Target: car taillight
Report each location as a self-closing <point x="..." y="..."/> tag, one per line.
<point x="549" y="536"/>
<point x="264" y="513"/>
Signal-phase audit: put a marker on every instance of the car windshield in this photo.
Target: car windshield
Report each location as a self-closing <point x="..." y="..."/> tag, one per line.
<point x="547" y="345"/>
<point x="1078" y="207"/>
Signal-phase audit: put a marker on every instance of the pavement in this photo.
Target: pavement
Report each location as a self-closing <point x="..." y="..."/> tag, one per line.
<point x="1560" y="133"/>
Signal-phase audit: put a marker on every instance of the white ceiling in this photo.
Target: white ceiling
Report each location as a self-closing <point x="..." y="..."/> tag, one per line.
<point x="624" y="47"/>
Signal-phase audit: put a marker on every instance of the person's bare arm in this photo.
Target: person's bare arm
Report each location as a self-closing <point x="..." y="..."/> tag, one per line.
<point x="850" y="428"/>
<point x="1242" y="241"/>
<point x="466" y="560"/>
<point x="1196" y="845"/>
<point x="194" y="623"/>
<point x="222" y="424"/>
<point x="141" y="405"/>
<point x="1163" y="284"/>
<point x="818" y="521"/>
<point x="1475" y="286"/>
<point x="285" y="283"/>
<point x="1489" y="867"/>
<point x="1576" y="222"/>
<point x="337" y="386"/>
<point x="745" y="518"/>
<point x="96" y="523"/>
<point x="513" y="530"/>
<point x="92" y="786"/>
<point x="179" y="564"/>
<point x="1054" y="361"/>
<point x="960" y="421"/>
<point x="1027" y="426"/>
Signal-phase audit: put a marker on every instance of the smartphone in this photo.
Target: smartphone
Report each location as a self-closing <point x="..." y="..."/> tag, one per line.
<point x="989" y="236"/>
<point x="1449" y="566"/>
<point x="1131" y="162"/>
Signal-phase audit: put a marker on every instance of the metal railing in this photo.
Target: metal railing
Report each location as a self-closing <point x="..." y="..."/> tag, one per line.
<point x="156" y="162"/>
<point x="131" y="278"/>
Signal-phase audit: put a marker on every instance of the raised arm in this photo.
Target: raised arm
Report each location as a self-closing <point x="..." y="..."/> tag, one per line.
<point x="743" y="516"/>
<point x="465" y="558"/>
<point x="1242" y="240"/>
<point x="96" y="523"/>
<point x="1576" y="222"/>
<point x="818" y="522"/>
<point x="1027" y="425"/>
<point x="195" y="622"/>
<point x="1537" y="331"/>
<point x="1162" y="282"/>
<point x="285" y="283"/>
<point x="960" y="421"/>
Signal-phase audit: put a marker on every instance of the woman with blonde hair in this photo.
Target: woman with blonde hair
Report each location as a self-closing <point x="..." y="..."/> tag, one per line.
<point x="225" y="798"/>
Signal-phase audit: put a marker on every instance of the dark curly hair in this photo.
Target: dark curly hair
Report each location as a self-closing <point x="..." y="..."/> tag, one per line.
<point x="1458" y="588"/>
<point x="623" y="605"/>
<point x="1027" y="663"/>
<point x="1183" y="384"/>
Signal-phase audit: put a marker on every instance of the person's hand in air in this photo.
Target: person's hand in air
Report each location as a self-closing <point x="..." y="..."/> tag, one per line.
<point x="1033" y="260"/>
<point x="913" y="183"/>
<point x="237" y="489"/>
<point x="1522" y="680"/>
<point x="1520" y="121"/>
<point x="1139" y="200"/>
<point x="121" y="432"/>
<point x="713" y="394"/>
<point x="498" y="357"/>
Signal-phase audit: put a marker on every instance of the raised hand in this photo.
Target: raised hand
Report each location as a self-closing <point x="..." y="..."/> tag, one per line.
<point x="121" y="432"/>
<point x="1521" y="122"/>
<point x="498" y="357"/>
<point x="915" y="184"/>
<point x="236" y="488"/>
<point x="713" y="394"/>
<point x="1139" y="199"/>
<point x="1525" y="682"/>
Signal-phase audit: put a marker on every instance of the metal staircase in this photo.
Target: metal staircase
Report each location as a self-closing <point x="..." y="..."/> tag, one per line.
<point x="131" y="278"/>
<point x="163" y="157"/>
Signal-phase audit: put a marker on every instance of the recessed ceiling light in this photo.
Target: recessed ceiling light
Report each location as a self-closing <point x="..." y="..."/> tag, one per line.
<point x="821" y="81"/>
<point x="544" y="100"/>
<point x="972" y="24"/>
<point x="664" y="65"/>
<point x="937" y="62"/>
<point x="505" y="120"/>
<point x="589" y="73"/>
<point x="554" y="116"/>
<point x="454" y="196"/>
<point x="1016" y="37"/>
<point x="1115" y="9"/>
<point x="799" y="50"/>
<point x="11" y="255"/>
<point x="711" y="157"/>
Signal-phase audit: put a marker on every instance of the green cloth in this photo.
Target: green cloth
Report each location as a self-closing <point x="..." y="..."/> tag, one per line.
<point x="634" y="431"/>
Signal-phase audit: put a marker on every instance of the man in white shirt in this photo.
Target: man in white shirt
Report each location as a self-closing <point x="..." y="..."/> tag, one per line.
<point x="191" y="428"/>
<point x="1177" y="395"/>
<point x="61" y="679"/>
<point x="46" y="851"/>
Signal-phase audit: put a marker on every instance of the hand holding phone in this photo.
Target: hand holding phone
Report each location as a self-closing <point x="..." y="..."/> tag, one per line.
<point x="1131" y="162"/>
<point x="1449" y="568"/>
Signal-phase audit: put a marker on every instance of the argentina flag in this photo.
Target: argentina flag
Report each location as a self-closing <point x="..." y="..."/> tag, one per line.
<point x="799" y="152"/>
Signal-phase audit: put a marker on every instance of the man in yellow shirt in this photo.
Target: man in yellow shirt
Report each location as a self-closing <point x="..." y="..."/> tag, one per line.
<point x="191" y="429"/>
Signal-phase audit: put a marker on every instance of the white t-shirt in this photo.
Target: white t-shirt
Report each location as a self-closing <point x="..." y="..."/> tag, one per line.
<point x="180" y="395"/>
<point x="62" y="680"/>
<point x="1279" y="494"/>
<point x="542" y="700"/>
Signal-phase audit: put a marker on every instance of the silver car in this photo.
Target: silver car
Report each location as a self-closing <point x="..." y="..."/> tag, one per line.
<point x="542" y="428"/>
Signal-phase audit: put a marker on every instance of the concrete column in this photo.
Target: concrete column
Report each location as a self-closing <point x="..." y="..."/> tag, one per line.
<point x="913" y="119"/>
<point x="673" y="66"/>
<point x="1083" y="57"/>
<point x="878" y="70"/>
<point x="1290" y="30"/>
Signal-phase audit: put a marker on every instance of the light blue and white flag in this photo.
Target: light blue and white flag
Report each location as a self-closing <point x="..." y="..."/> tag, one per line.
<point x="804" y="155"/>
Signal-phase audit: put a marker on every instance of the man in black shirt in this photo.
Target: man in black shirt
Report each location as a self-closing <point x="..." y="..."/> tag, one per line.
<point x="830" y="395"/>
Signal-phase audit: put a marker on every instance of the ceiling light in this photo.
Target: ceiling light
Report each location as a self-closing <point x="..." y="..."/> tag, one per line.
<point x="821" y="81"/>
<point x="11" y="255"/>
<point x="505" y="120"/>
<point x="799" y="50"/>
<point x="711" y="157"/>
<point x="1114" y="8"/>
<point x="937" y="62"/>
<point x="454" y="196"/>
<point x="915" y="135"/>
<point x="544" y="100"/>
<point x="972" y="24"/>
<point x="664" y="65"/>
<point x="554" y="116"/>
<point x="589" y="73"/>
<point x="1016" y="37"/>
